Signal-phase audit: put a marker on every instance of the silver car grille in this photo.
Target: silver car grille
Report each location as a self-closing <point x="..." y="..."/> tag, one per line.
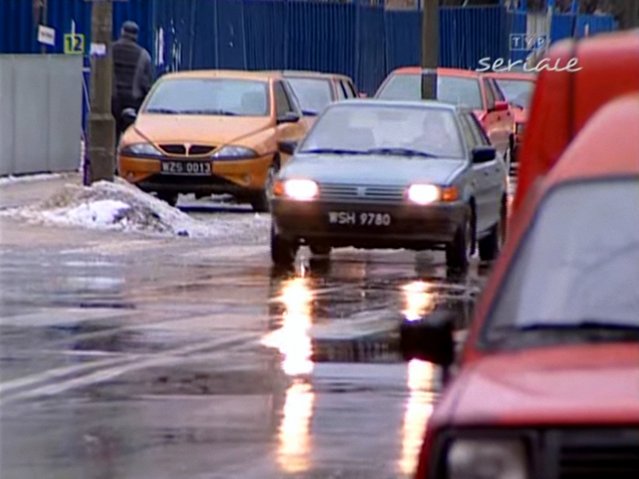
<point x="361" y="193"/>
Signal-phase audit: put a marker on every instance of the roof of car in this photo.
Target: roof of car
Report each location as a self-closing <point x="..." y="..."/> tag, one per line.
<point x="607" y="146"/>
<point x="309" y="74"/>
<point x="235" y="74"/>
<point x="400" y="103"/>
<point x="440" y="71"/>
<point x="511" y="75"/>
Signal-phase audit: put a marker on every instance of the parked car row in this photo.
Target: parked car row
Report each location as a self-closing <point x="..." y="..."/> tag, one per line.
<point x="389" y="172"/>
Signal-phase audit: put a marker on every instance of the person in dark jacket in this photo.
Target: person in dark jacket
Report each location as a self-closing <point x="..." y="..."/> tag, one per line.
<point x="132" y="73"/>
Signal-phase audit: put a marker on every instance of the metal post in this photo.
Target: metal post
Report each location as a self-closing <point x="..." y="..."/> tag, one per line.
<point x="43" y="20"/>
<point x="430" y="48"/>
<point x="101" y="123"/>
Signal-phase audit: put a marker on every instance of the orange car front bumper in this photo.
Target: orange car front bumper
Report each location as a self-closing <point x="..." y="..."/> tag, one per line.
<point x="227" y="176"/>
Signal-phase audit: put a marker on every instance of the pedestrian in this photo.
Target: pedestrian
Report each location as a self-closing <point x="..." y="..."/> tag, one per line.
<point x="132" y="74"/>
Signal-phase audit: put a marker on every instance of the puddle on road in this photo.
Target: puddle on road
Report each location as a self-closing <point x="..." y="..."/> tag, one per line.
<point x="313" y="320"/>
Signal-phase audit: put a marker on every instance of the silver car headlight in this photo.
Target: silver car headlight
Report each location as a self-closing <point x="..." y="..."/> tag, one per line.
<point x="425" y="194"/>
<point x="487" y="459"/>
<point x="234" y="152"/>
<point x="140" y="149"/>
<point x="301" y="189"/>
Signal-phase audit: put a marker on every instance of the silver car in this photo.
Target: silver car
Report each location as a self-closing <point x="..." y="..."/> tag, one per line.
<point x="383" y="174"/>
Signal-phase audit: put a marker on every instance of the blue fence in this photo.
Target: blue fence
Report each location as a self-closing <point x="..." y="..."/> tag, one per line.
<point x="360" y="40"/>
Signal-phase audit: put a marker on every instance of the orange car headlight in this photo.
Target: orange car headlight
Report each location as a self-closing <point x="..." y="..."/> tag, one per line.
<point x="234" y="152"/>
<point x="146" y="150"/>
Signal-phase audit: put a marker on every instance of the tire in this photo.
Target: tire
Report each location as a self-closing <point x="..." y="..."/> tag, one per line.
<point x="490" y="246"/>
<point x="459" y="251"/>
<point x="261" y="201"/>
<point x="283" y="252"/>
<point x="320" y="250"/>
<point x="170" y="198"/>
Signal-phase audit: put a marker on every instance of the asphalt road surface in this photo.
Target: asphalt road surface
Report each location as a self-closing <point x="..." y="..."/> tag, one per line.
<point x="125" y="356"/>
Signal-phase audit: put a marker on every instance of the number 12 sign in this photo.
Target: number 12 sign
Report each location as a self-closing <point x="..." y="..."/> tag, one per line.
<point x="74" y="43"/>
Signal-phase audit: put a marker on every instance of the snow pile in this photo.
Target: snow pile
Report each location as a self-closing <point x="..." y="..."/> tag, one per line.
<point x="114" y="206"/>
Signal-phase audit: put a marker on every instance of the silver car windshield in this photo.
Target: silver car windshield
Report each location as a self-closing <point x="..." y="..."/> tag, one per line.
<point x="450" y="89"/>
<point x="578" y="267"/>
<point x="209" y="96"/>
<point x="385" y="128"/>
<point x="314" y="94"/>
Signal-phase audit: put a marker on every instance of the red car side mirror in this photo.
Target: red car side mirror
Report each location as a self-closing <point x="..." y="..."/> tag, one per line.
<point x="501" y="106"/>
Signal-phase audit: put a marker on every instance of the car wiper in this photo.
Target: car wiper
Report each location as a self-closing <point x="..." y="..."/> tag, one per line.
<point x="163" y="111"/>
<point x="401" y="152"/>
<point x="335" y="151"/>
<point x="587" y="327"/>
<point x="309" y="113"/>
<point x="209" y="112"/>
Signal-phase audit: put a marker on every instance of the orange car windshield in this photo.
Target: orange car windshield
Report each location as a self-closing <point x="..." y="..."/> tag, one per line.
<point x="517" y="92"/>
<point x="209" y="96"/>
<point x="576" y="270"/>
<point x="450" y="89"/>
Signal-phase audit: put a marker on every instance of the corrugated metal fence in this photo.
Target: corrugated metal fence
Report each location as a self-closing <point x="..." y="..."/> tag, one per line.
<point x="360" y="40"/>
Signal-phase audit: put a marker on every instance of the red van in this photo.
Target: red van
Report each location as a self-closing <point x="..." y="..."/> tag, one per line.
<point x="548" y="383"/>
<point x="563" y="101"/>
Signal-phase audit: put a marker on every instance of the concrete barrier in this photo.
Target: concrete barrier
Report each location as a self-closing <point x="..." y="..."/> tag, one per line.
<point x="40" y="113"/>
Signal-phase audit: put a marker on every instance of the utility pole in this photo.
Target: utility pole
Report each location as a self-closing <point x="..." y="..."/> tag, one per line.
<point x="430" y="48"/>
<point x="101" y="122"/>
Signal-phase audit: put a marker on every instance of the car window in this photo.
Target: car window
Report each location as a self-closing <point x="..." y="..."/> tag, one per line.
<point x="209" y="96"/>
<point x="314" y="94"/>
<point x="362" y="128"/>
<point x="341" y="93"/>
<point x="581" y="260"/>
<point x="517" y="92"/>
<point x="457" y="90"/>
<point x="471" y="141"/>
<point x="490" y="96"/>
<point x="282" y="103"/>
<point x="499" y="95"/>
<point x="478" y="132"/>
<point x="350" y="89"/>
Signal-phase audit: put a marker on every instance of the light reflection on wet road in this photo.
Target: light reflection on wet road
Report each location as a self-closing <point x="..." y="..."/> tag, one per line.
<point x="136" y="357"/>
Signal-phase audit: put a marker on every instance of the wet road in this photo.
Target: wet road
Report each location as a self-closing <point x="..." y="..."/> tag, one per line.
<point x="135" y="357"/>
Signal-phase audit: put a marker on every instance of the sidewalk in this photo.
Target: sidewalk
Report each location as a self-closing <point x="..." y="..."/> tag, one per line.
<point x="27" y="190"/>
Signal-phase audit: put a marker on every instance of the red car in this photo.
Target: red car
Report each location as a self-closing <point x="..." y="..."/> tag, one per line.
<point x="563" y="102"/>
<point x="548" y="385"/>
<point x="460" y="87"/>
<point x="518" y="88"/>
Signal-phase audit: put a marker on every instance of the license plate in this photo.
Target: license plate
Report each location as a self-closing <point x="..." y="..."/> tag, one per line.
<point x="351" y="218"/>
<point x="196" y="168"/>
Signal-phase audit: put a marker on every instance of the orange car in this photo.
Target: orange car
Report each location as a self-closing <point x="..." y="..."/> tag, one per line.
<point x="548" y="382"/>
<point x="211" y="132"/>
<point x="518" y="88"/>
<point x="460" y="87"/>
